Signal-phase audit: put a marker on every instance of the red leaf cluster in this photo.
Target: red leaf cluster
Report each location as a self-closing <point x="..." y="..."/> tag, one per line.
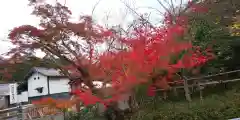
<point x="31" y="30"/>
<point x="149" y="49"/>
<point x="151" y="91"/>
<point x="86" y="97"/>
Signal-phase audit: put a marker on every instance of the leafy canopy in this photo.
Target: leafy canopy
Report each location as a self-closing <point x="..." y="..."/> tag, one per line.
<point x="145" y="52"/>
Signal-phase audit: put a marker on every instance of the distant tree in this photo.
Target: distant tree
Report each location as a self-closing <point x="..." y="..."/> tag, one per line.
<point x="212" y="29"/>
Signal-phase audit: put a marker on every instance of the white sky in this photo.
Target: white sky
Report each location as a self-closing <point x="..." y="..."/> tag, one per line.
<point x="17" y="12"/>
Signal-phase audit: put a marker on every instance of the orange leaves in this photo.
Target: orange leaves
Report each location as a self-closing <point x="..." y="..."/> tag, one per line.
<point x="59" y="104"/>
<point x="64" y="104"/>
<point x="45" y="101"/>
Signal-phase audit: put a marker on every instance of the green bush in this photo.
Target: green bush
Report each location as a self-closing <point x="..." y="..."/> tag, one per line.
<point x="80" y="116"/>
<point x="88" y="113"/>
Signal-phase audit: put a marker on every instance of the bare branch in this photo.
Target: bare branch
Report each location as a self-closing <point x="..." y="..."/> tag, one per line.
<point x="180" y="6"/>
<point x="161" y="13"/>
<point x="172" y="5"/>
<point x="95" y="6"/>
<point x="137" y="13"/>
<point x="165" y="8"/>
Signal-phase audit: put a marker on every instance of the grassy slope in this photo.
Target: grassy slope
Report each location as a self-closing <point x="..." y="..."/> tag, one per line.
<point x="218" y="104"/>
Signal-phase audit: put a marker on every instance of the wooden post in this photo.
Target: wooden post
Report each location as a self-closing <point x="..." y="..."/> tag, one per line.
<point x="64" y="114"/>
<point x="20" y="112"/>
<point x="201" y="97"/>
<point x="165" y="94"/>
<point x="175" y="92"/>
<point x="200" y="88"/>
<point x="186" y="90"/>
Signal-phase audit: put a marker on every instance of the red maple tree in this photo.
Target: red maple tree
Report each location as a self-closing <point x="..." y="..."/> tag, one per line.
<point x="146" y="51"/>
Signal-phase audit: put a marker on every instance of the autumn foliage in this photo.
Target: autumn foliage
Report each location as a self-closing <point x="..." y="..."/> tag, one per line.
<point x="146" y="52"/>
<point x="58" y="104"/>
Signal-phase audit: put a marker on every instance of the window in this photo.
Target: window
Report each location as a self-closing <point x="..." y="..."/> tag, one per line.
<point x="39" y="89"/>
<point x="36" y="78"/>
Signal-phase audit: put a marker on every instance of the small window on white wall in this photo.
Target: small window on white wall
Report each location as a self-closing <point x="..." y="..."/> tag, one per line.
<point x="39" y="89"/>
<point x="34" y="78"/>
<point x="38" y="77"/>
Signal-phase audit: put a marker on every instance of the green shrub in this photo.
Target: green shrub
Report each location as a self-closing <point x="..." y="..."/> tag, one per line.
<point x="88" y="113"/>
<point x="80" y="116"/>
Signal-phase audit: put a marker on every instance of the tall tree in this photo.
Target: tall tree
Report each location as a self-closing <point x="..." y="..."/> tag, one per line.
<point x="147" y="52"/>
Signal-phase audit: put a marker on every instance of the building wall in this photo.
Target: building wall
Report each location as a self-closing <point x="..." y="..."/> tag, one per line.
<point x="23" y="97"/>
<point x="56" y="96"/>
<point x="58" y="85"/>
<point x="4" y="102"/>
<point x="35" y="81"/>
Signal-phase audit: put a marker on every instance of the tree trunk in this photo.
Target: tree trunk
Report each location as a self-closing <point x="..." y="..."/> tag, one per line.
<point x="113" y="113"/>
<point x="133" y="103"/>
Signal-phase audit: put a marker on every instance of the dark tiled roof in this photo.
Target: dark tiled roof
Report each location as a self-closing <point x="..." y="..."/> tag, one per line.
<point x="51" y="72"/>
<point x="47" y="71"/>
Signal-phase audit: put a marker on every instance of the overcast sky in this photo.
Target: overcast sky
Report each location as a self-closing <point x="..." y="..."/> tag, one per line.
<point x="17" y="12"/>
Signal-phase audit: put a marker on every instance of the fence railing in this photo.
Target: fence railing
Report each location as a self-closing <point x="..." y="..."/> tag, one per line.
<point x="11" y="113"/>
<point x="31" y="112"/>
<point x="190" y="85"/>
<point x="205" y="80"/>
<point x="28" y="112"/>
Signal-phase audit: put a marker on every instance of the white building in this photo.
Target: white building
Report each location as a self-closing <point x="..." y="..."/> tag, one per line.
<point x="9" y="96"/>
<point x="39" y="82"/>
<point x="48" y="82"/>
<point x="43" y="82"/>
